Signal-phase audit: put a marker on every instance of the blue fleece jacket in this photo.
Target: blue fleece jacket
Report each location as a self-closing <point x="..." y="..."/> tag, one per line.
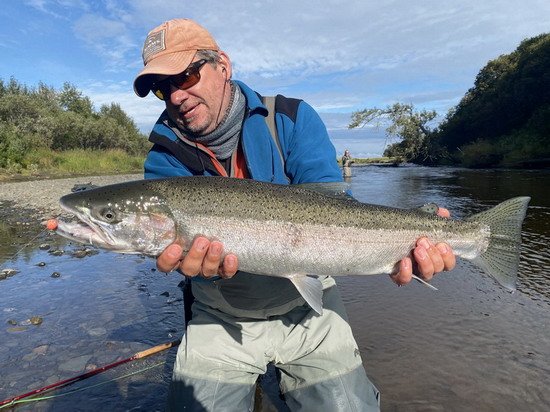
<point x="309" y="154"/>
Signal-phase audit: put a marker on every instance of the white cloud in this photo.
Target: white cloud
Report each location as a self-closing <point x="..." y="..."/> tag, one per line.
<point x="108" y="38"/>
<point x="337" y="55"/>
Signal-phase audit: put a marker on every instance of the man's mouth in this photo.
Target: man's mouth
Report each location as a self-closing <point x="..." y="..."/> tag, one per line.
<point x="188" y="114"/>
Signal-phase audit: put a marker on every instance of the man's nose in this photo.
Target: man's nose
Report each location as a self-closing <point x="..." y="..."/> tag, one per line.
<point x="178" y="96"/>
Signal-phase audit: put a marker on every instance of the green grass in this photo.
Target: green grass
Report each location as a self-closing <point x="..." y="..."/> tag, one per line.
<point x="46" y="162"/>
<point x="369" y="160"/>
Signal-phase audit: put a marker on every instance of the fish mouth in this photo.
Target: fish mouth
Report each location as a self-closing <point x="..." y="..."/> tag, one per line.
<point x="86" y="231"/>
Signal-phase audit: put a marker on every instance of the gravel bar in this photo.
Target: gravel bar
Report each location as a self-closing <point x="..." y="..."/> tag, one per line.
<point x="40" y="198"/>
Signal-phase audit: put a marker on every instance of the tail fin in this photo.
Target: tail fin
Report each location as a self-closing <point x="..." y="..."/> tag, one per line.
<point x="501" y="259"/>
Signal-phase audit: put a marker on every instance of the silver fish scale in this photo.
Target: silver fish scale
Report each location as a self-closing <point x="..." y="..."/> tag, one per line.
<point x="278" y="248"/>
<point x="240" y="198"/>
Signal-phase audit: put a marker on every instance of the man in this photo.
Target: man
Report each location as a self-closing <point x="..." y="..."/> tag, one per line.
<point x="346" y="163"/>
<point x="240" y="321"/>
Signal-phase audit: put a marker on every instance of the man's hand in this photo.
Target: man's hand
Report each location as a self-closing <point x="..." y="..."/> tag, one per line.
<point x="205" y="258"/>
<point x="429" y="258"/>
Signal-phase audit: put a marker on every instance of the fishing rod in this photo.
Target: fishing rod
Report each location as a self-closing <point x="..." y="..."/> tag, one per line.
<point x="66" y="382"/>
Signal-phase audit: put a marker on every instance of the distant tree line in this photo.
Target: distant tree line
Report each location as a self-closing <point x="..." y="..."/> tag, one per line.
<point x="45" y="118"/>
<point x="503" y="120"/>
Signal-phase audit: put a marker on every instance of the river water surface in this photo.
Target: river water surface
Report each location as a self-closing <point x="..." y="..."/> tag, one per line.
<point x="469" y="346"/>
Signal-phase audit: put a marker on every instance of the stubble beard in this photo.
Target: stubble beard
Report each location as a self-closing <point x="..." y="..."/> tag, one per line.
<point x="192" y="126"/>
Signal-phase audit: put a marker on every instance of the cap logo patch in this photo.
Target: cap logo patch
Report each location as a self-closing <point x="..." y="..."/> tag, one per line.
<point x="154" y="43"/>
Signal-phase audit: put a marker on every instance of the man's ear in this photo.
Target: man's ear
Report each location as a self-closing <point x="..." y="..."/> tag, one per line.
<point x="225" y="64"/>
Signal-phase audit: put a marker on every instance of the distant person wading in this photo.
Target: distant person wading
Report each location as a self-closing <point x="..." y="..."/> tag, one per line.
<point x="346" y="163"/>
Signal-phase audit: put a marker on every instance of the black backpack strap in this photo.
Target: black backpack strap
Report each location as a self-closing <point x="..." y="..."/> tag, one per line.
<point x="193" y="158"/>
<point x="269" y="102"/>
<point x="279" y="104"/>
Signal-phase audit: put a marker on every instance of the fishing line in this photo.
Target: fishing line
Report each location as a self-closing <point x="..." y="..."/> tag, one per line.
<point x="93" y="372"/>
<point x="424" y="282"/>
<point x="43" y="398"/>
<point x="29" y="242"/>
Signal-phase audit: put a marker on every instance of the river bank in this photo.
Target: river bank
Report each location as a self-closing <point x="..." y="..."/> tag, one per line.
<point x="30" y="200"/>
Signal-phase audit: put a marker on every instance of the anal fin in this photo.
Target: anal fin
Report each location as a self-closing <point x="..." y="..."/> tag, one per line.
<point x="311" y="289"/>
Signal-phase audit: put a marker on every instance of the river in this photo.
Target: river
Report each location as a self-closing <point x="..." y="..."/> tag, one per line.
<point x="468" y="346"/>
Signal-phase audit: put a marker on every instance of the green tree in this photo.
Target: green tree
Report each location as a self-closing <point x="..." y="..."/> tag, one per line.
<point x="405" y="123"/>
<point x="44" y="118"/>
<point x="72" y="100"/>
<point x="501" y="116"/>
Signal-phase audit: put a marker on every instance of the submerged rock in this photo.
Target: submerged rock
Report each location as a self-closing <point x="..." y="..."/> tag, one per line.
<point x="6" y="273"/>
<point x="36" y="320"/>
<point x="79" y="253"/>
<point x="99" y="331"/>
<point x="76" y="364"/>
<point x="17" y="329"/>
<point x="40" y="350"/>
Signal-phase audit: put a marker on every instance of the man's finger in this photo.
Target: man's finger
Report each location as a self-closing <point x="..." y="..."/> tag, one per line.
<point x="191" y="265"/>
<point x="169" y="259"/>
<point x="435" y="256"/>
<point x="423" y="260"/>
<point x="229" y="267"/>
<point x="447" y="255"/>
<point x="212" y="260"/>
<point x="404" y="274"/>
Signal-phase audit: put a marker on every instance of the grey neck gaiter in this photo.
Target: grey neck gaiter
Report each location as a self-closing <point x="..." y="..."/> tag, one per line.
<point x="224" y="139"/>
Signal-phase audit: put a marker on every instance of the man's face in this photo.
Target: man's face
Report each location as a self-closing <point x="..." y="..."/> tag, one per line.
<point x="201" y="107"/>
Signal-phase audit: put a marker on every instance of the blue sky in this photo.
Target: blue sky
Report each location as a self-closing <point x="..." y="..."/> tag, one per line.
<point x="340" y="56"/>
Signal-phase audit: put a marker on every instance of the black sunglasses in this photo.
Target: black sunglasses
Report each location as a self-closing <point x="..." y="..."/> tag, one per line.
<point x="186" y="79"/>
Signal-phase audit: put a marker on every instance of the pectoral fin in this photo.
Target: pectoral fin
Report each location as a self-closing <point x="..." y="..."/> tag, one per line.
<point x="311" y="289"/>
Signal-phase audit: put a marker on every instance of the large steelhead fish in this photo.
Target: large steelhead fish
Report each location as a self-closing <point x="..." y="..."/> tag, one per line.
<point x="286" y="231"/>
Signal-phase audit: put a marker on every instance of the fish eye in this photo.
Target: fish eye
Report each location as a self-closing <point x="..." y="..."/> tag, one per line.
<point x="108" y="214"/>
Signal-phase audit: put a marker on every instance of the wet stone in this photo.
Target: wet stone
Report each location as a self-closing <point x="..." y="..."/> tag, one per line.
<point x="44" y="246"/>
<point x="91" y="252"/>
<point x="6" y="273"/>
<point x="56" y="252"/>
<point x="41" y="350"/>
<point x="99" y="331"/>
<point x="79" y="253"/>
<point x="76" y="364"/>
<point x="107" y="316"/>
<point x="56" y="275"/>
<point x="51" y="379"/>
<point x="12" y="322"/>
<point x="18" y="329"/>
<point x="90" y="367"/>
<point x="36" y="320"/>
<point x="41" y="264"/>
<point x="29" y="357"/>
<point x="110" y="345"/>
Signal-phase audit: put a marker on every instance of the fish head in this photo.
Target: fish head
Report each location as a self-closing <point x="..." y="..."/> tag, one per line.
<point x="119" y="218"/>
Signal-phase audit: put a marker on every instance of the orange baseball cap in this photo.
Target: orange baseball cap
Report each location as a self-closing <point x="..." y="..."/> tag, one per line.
<point x="169" y="49"/>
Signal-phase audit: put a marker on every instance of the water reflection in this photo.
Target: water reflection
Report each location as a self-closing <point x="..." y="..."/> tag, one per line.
<point x="465" y="192"/>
